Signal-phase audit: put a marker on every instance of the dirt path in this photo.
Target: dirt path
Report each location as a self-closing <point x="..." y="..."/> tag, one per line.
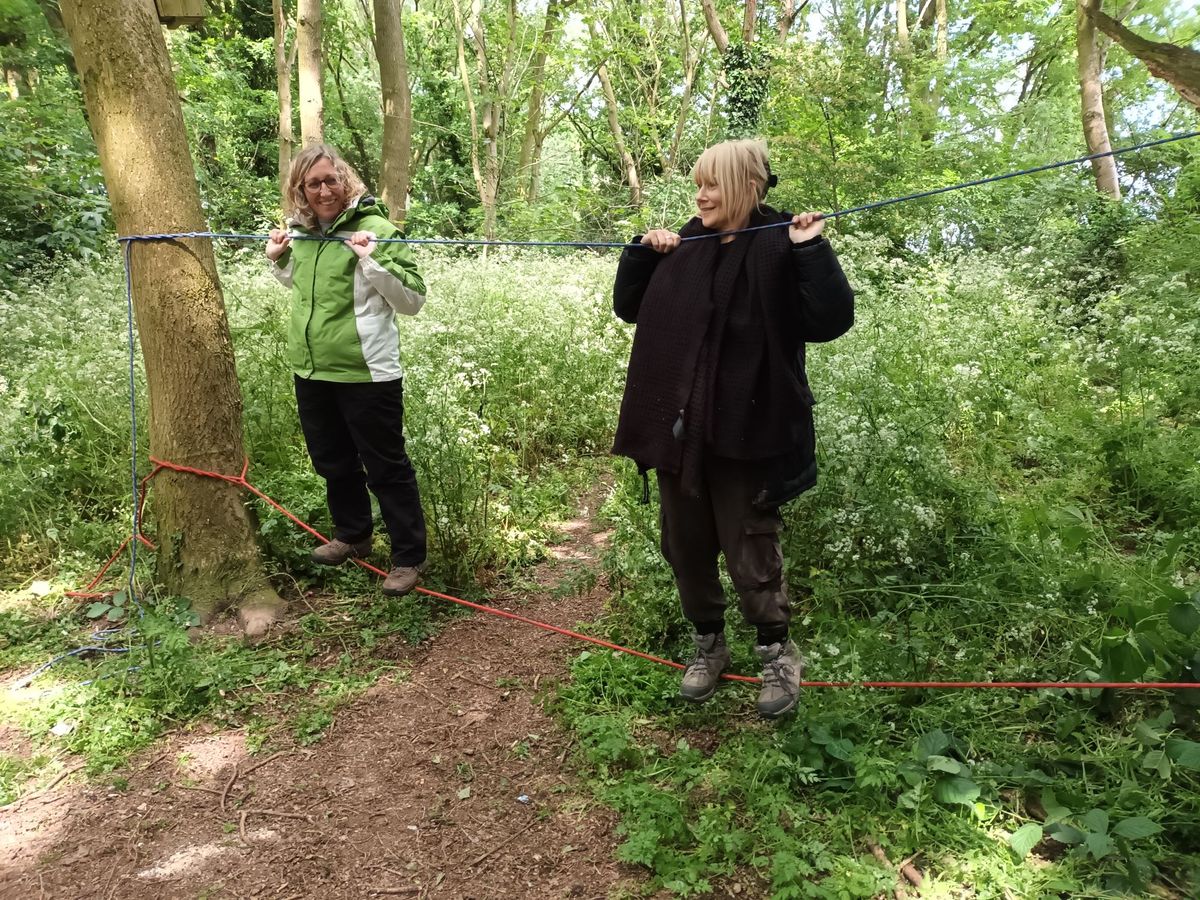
<point x="449" y="782"/>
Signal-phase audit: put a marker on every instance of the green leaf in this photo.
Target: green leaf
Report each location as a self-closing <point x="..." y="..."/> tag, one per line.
<point x="1184" y="618"/>
<point x="1158" y="761"/>
<point x="464" y="793"/>
<point x="1166" y="563"/>
<point x="930" y="743"/>
<point x="956" y="790"/>
<point x="945" y="764"/>
<point x="820" y="735"/>
<point x="1073" y="537"/>
<point x="1147" y="734"/>
<point x="96" y="610"/>
<point x="1184" y="753"/>
<point x="840" y="748"/>
<point x="1064" y="834"/>
<point x="1095" y="820"/>
<point x="1055" y="811"/>
<point x="1025" y="839"/>
<point x="1099" y="845"/>
<point x="1067" y="515"/>
<point x="1136" y="828"/>
<point x="912" y="773"/>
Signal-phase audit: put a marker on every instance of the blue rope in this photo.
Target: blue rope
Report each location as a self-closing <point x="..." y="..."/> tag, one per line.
<point x="133" y="543"/>
<point x="477" y="242"/>
<point x="28" y="679"/>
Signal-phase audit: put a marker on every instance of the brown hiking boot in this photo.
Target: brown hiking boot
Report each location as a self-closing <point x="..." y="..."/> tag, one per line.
<point x="402" y="579"/>
<point x="703" y="673"/>
<point x="783" y="667"/>
<point x="337" y="552"/>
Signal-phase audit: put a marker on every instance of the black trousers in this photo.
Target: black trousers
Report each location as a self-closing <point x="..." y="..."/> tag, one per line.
<point x="722" y="519"/>
<point x="352" y="427"/>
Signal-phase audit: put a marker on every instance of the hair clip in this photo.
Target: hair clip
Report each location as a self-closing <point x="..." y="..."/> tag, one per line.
<point x="772" y="180"/>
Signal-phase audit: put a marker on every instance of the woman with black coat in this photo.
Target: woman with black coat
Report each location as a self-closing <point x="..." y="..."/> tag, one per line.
<point x="717" y="401"/>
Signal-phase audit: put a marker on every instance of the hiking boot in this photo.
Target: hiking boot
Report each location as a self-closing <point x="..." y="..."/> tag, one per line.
<point x="702" y="675"/>
<point x="782" y="668"/>
<point x="402" y="579"/>
<point x="337" y="552"/>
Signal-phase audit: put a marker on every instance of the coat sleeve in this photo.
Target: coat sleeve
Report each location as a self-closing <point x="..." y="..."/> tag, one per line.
<point x="825" y="298"/>
<point x="282" y="268"/>
<point x="392" y="271"/>
<point x="634" y="269"/>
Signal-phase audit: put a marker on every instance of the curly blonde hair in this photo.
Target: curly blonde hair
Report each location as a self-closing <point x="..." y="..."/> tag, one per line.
<point x="740" y="169"/>
<point x="297" y="204"/>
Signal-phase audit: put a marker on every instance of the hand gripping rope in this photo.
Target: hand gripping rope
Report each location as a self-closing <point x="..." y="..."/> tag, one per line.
<point x="240" y="480"/>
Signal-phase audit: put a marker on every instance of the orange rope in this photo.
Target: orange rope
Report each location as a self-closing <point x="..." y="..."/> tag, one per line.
<point x="241" y="481"/>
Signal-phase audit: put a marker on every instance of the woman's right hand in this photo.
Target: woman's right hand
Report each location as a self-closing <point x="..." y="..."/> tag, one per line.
<point x="277" y="242"/>
<point x="661" y="239"/>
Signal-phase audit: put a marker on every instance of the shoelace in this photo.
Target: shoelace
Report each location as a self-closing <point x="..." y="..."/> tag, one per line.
<point x="773" y="672"/>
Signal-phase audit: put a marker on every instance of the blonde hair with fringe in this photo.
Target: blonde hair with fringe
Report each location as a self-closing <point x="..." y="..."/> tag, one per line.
<point x="739" y="169"/>
<point x="298" y="208"/>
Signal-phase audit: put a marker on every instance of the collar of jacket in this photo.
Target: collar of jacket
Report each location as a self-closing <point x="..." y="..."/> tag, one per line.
<point x="362" y="205"/>
<point x="760" y="215"/>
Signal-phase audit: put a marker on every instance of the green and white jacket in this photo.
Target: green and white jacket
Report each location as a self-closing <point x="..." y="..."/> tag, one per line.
<point x="343" y="316"/>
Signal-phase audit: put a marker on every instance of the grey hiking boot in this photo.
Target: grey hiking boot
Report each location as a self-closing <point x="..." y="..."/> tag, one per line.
<point x="703" y="674"/>
<point x="402" y="579"/>
<point x="783" y="667"/>
<point x="337" y="552"/>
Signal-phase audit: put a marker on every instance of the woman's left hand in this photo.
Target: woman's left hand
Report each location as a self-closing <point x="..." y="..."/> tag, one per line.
<point x="362" y="243"/>
<point x="805" y="227"/>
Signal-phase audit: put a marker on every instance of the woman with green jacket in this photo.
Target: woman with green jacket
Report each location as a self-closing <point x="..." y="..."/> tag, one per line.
<point x="344" y="350"/>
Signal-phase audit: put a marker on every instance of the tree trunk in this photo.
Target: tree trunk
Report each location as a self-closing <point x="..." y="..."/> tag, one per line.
<point x="720" y="38"/>
<point x="206" y="538"/>
<point x="691" y="62"/>
<point x="943" y="39"/>
<point x="490" y="115"/>
<point x="312" y="98"/>
<point x="396" y="153"/>
<point x="902" y="39"/>
<point x="469" y="95"/>
<point x="618" y="135"/>
<point x="361" y="160"/>
<point x="1095" y="128"/>
<point x="1178" y="66"/>
<point x="283" y="84"/>
<point x="749" y="18"/>
<point x="527" y="165"/>
<point x="925" y="96"/>
<point x="788" y="16"/>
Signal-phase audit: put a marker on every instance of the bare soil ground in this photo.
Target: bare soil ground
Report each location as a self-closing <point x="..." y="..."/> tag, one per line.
<point x="449" y="781"/>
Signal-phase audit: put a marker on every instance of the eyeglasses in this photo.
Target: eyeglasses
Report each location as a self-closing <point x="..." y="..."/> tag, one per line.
<point x="313" y="186"/>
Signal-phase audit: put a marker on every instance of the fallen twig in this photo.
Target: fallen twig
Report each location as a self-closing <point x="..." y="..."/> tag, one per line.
<point x="195" y="787"/>
<point x="512" y="837"/>
<point x="43" y="791"/>
<point x="55" y="783"/>
<point x="154" y="761"/>
<point x="278" y="812"/>
<point x="906" y="870"/>
<point x="911" y="872"/>
<point x="238" y="774"/>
